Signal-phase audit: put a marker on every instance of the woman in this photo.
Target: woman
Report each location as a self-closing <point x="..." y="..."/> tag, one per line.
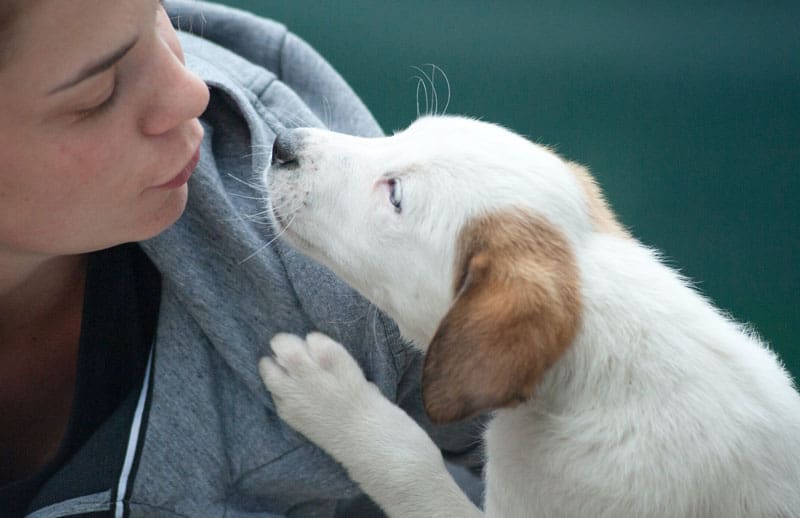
<point x="135" y="301"/>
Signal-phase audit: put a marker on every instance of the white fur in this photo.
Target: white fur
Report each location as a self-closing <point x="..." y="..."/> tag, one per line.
<point x="661" y="406"/>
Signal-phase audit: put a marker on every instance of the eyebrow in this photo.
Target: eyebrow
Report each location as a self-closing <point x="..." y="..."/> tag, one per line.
<point x="101" y="65"/>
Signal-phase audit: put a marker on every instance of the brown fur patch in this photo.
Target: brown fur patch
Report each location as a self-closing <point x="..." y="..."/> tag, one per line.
<point x="516" y="311"/>
<point x="603" y="218"/>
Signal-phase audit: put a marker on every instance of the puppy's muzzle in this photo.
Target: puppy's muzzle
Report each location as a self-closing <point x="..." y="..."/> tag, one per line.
<point x="284" y="150"/>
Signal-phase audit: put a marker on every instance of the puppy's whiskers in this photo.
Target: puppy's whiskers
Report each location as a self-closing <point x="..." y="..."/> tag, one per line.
<point x="255" y="186"/>
<point x="260" y="218"/>
<point x="259" y="150"/>
<point x="268" y="243"/>
<point x="327" y="112"/>
<point x="375" y="318"/>
<point x="421" y="83"/>
<point x="290" y="119"/>
<point x="431" y="99"/>
<point x="237" y="195"/>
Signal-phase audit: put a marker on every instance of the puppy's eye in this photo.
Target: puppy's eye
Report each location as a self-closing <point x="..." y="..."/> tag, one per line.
<point x="396" y="194"/>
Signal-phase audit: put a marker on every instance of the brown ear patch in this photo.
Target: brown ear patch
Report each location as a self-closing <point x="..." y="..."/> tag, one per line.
<point x="516" y="311"/>
<point x="603" y="218"/>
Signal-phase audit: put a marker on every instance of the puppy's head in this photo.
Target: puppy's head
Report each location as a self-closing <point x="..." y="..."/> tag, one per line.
<point x="463" y="232"/>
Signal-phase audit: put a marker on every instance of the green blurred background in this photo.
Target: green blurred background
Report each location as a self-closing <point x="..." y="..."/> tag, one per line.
<point x="687" y="113"/>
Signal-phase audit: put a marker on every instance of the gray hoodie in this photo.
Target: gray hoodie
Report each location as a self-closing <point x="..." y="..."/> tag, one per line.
<point x="203" y="438"/>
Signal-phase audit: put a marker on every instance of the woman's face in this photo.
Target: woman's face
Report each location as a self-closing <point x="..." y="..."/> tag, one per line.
<point x="98" y="126"/>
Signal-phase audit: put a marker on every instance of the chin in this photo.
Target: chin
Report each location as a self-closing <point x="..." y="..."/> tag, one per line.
<point x="166" y="214"/>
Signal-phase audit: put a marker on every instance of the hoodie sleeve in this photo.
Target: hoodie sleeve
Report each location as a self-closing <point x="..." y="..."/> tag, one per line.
<point x="270" y="45"/>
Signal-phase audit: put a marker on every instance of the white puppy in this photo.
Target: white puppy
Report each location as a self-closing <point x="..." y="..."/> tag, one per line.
<point x="618" y="390"/>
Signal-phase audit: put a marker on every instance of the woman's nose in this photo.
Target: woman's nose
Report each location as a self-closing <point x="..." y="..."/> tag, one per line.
<point x="178" y="95"/>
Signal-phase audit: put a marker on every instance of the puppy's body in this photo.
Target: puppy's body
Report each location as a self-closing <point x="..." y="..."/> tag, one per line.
<point x="657" y="409"/>
<point x="619" y="390"/>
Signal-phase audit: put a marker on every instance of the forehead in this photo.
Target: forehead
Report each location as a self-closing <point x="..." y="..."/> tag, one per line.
<point x="473" y="150"/>
<point x="51" y="39"/>
<point x="467" y="141"/>
<point x="455" y="129"/>
<point x="470" y="168"/>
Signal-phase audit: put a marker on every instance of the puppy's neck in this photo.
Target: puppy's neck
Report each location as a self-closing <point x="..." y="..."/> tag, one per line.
<point x="417" y="319"/>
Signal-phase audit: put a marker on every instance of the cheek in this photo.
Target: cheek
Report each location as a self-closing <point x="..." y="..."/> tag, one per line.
<point x="80" y="182"/>
<point x="77" y="164"/>
<point x="52" y="174"/>
<point x="94" y="160"/>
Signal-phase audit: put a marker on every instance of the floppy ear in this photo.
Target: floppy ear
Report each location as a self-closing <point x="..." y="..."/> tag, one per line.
<point x="516" y="311"/>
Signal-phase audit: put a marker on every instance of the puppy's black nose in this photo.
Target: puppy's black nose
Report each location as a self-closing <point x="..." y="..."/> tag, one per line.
<point x="284" y="150"/>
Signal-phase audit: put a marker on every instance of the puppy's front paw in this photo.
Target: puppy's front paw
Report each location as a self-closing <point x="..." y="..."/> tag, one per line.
<point x="315" y="383"/>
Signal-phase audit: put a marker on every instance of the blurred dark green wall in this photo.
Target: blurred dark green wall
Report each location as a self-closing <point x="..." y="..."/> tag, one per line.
<point x="688" y="114"/>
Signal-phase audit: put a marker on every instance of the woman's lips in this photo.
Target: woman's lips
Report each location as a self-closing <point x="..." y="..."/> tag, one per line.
<point x="183" y="176"/>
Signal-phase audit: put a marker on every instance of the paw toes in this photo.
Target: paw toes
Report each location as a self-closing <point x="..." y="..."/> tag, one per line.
<point x="286" y="344"/>
<point x="291" y="353"/>
<point x="317" y="340"/>
<point x="324" y="349"/>
<point x="332" y="356"/>
<point x="269" y="370"/>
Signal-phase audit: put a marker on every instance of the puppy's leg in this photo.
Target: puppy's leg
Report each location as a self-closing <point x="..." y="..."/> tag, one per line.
<point x="319" y="389"/>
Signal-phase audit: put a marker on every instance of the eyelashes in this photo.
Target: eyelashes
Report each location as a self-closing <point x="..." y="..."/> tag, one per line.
<point x="98" y="109"/>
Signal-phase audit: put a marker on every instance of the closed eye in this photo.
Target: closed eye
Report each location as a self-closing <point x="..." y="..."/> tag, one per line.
<point x="99" y="107"/>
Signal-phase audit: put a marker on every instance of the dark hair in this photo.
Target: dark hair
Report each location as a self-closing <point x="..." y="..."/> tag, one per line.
<point x="9" y="13"/>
